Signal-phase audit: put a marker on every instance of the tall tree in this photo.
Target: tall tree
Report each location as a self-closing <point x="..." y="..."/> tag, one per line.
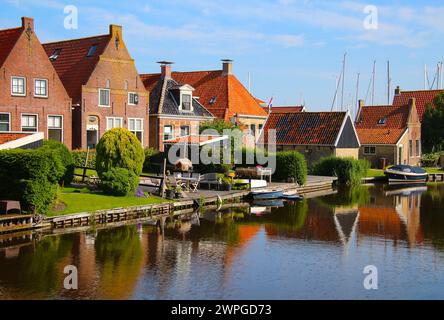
<point x="432" y="126"/>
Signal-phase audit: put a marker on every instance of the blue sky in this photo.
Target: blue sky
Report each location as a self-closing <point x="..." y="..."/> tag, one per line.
<point x="293" y="49"/>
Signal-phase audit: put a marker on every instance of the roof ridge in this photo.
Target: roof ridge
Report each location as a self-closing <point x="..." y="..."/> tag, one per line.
<point x="423" y="90"/>
<point x="76" y="39"/>
<point x="10" y="29"/>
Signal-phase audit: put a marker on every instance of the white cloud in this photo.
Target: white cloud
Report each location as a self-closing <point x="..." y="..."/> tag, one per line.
<point x="288" y="40"/>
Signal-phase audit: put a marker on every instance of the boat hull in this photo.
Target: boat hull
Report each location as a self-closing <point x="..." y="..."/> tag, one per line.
<point x="267" y="195"/>
<point x="405" y="178"/>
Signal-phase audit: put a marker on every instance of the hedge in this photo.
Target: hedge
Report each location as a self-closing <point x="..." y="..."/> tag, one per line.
<point x="65" y="156"/>
<point x="349" y="171"/>
<point x="291" y="164"/>
<point x="119" y="182"/>
<point x="30" y="176"/>
<point x="79" y="157"/>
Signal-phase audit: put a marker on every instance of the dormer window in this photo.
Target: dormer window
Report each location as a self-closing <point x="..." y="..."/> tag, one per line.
<point x="92" y="50"/>
<point x="186" y="101"/>
<point x="213" y="100"/>
<point x="55" y="54"/>
<point x="382" y="121"/>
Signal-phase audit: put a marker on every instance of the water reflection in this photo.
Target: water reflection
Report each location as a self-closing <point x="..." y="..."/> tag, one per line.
<point x="247" y="252"/>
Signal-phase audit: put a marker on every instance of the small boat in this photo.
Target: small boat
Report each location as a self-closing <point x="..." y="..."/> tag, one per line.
<point x="292" y="196"/>
<point x="406" y="174"/>
<point x="267" y="194"/>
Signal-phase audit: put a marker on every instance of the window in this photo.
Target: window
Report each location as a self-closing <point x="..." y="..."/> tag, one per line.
<point x="40" y="87"/>
<point x="168" y="133"/>
<point x="133" y="98"/>
<point x="369" y="151"/>
<point x="411" y="148"/>
<point x="55" y="54"/>
<point x="213" y="100"/>
<point x="184" y="130"/>
<point x="113" y="122"/>
<point x="92" y="50"/>
<point x="103" y="97"/>
<point x="29" y="122"/>
<point x="5" y="121"/>
<point x="136" y="127"/>
<point x="253" y="130"/>
<point x="55" y="128"/>
<point x="260" y="127"/>
<point x="18" y="86"/>
<point x="418" y="148"/>
<point x="382" y="121"/>
<point x="186" y="102"/>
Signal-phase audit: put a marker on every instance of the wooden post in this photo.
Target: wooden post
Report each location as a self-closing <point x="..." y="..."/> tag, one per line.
<point x="86" y="165"/>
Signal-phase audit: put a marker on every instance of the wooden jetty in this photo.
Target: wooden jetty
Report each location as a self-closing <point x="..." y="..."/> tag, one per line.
<point x="15" y="222"/>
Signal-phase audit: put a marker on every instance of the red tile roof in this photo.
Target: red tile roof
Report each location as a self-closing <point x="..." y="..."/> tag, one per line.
<point x="287" y="109"/>
<point x="11" y="136"/>
<point x="8" y="38"/>
<point x="423" y="98"/>
<point x="72" y="65"/>
<point x="370" y="132"/>
<point x="305" y="128"/>
<point x="223" y="96"/>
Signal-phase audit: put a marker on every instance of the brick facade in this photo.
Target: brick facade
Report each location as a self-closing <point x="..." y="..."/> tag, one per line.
<point x="28" y="59"/>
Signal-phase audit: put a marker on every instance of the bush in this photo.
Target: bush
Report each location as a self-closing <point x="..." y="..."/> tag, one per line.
<point x="291" y="164"/>
<point x="119" y="148"/>
<point x="79" y="157"/>
<point x="65" y="156"/>
<point x="32" y="177"/>
<point x="119" y="182"/>
<point x="349" y="171"/>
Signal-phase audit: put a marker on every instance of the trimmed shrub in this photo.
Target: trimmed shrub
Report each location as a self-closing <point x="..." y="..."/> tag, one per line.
<point x="79" y="157"/>
<point x="119" y="182"/>
<point x="291" y="164"/>
<point x="65" y="156"/>
<point x="349" y="171"/>
<point x="31" y="177"/>
<point x="119" y="148"/>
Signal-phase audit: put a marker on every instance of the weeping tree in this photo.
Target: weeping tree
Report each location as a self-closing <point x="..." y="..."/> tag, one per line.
<point x="119" y="148"/>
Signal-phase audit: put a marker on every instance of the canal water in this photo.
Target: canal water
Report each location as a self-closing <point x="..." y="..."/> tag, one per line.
<point x="315" y="249"/>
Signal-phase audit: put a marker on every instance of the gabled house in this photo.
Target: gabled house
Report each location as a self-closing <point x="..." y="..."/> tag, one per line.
<point x="175" y="110"/>
<point x="33" y="99"/>
<point x="314" y="134"/>
<point x="423" y="99"/>
<point x="221" y="93"/>
<point x="106" y="90"/>
<point x="389" y="134"/>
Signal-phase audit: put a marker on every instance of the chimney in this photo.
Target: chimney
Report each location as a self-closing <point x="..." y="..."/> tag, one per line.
<point x="28" y="23"/>
<point x="397" y="91"/>
<point x="227" y="67"/>
<point x="165" y="69"/>
<point x="361" y="104"/>
<point x="115" y="32"/>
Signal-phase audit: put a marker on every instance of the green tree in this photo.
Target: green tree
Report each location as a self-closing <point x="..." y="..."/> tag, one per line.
<point x="217" y="124"/>
<point x="119" y="148"/>
<point x="432" y="128"/>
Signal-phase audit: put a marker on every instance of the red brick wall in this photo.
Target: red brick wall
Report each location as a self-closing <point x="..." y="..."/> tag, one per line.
<point x="176" y="123"/>
<point x="117" y="66"/>
<point x="28" y="59"/>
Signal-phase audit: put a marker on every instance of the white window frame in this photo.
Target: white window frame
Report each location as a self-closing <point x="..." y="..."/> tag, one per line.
<point x="35" y="86"/>
<point x="172" y="132"/>
<point x="369" y="153"/>
<point x="109" y="97"/>
<point x="187" y="93"/>
<point x="24" y="86"/>
<point x="62" y="126"/>
<point x="114" y="118"/>
<point x="417" y="147"/>
<point x="36" y="121"/>
<point x="129" y="100"/>
<point x="189" y="130"/>
<point x="9" y="121"/>
<point x="141" y="127"/>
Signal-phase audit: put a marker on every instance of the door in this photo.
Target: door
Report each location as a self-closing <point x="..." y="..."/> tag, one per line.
<point x="91" y="138"/>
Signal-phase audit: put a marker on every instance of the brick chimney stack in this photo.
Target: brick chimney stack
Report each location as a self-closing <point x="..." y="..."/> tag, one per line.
<point x="227" y="67"/>
<point x="397" y="91"/>
<point x="28" y="23"/>
<point x="165" y="69"/>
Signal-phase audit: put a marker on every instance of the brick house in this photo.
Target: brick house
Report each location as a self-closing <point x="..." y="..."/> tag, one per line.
<point x="32" y="99"/>
<point x="175" y="111"/>
<point x="389" y="132"/>
<point x="101" y="78"/>
<point x="221" y="93"/>
<point x="314" y="134"/>
<point x="423" y="99"/>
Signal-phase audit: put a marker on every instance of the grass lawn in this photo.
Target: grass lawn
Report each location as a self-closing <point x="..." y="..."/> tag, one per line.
<point x="380" y="173"/>
<point x="82" y="200"/>
<point x="89" y="172"/>
<point x="434" y="170"/>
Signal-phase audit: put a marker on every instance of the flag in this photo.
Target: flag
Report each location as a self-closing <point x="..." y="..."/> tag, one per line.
<point x="270" y="104"/>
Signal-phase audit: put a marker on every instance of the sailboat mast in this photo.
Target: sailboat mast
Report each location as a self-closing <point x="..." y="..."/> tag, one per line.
<point x="343" y="81"/>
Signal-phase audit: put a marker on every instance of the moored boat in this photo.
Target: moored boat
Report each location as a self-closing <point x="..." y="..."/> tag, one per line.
<point x="293" y="196"/>
<point x="406" y="174"/>
<point x="267" y="194"/>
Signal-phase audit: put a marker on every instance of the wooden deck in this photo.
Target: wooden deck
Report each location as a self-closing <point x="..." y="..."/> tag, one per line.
<point x="15" y="222"/>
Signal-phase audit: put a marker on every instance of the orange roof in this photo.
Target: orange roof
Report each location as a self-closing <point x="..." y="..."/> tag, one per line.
<point x="72" y="64"/>
<point x="11" y="136"/>
<point x="223" y="95"/>
<point x="382" y="124"/>
<point x="423" y="98"/>
<point x="8" y="39"/>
